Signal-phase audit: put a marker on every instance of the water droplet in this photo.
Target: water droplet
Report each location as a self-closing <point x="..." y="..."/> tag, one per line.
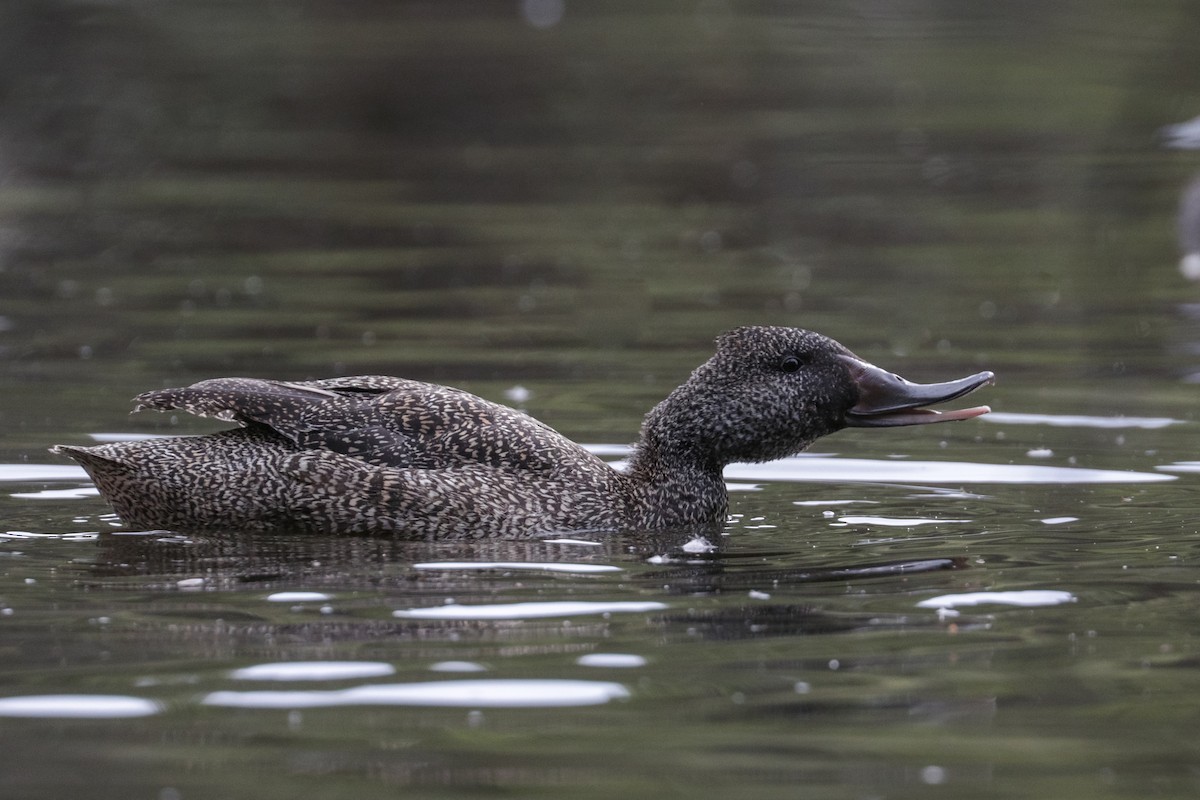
<point x="543" y="14"/>
<point x="933" y="775"/>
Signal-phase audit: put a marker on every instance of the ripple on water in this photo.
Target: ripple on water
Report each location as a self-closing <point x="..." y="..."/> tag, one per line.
<point x="298" y="597"/>
<point x="80" y="536"/>
<point x="313" y="671"/>
<point x="611" y="660"/>
<point x="527" y="610"/>
<point x="106" y="438"/>
<point x="1028" y="598"/>
<point x="1181" y="466"/>
<point x="59" y="494"/>
<point x="78" y="706"/>
<point x="896" y="522"/>
<point x="513" y="693"/>
<point x="457" y="666"/>
<point x="41" y="472"/>
<point x="1080" y="420"/>
<point x="517" y="565"/>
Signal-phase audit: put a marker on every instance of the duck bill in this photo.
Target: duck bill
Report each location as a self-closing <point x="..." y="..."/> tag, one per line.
<point x="886" y="400"/>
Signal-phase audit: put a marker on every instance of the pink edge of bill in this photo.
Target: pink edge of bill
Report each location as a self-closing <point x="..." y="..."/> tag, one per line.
<point x="919" y="416"/>
<point x="963" y="413"/>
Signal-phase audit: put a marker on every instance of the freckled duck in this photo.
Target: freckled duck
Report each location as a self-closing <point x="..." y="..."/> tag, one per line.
<point x="376" y="454"/>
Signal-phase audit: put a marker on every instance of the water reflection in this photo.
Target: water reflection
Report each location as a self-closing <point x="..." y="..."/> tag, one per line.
<point x="449" y="693"/>
<point x="313" y="671"/>
<point x="1186" y="136"/>
<point x="1181" y="135"/>
<point x="612" y="660"/>
<point x="1081" y="420"/>
<point x="580" y="569"/>
<point x="1027" y="598"/>
<point x="41" y="472"/>
<point x="58" y="494"/>
<point x="557" y="608"/>
<point x="896" y="522"/>
<point x="77" y="706"/>
<point x="1188" y="230"/>
<point x="457" y="666"/>
<point x="226" y="562"/>
<point x="297" y="597"/>
<point x="572" y="200"/>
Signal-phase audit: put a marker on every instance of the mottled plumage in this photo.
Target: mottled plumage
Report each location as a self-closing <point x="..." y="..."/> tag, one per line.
<point x="377" y="454"/>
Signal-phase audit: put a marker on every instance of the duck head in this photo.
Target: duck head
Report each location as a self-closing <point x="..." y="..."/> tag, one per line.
<point x="770" y="392"/>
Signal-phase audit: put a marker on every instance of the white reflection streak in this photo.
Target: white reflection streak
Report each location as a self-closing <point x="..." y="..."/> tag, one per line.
<point x="516" y="693"/>
<point x="59" y="494"/>
<point x="894" y="522"/>
<point x="42" y="472"/>
<point x="1181" y="466"/>
<point x="78" y="706"/>
<point x="1079" y="420"/>
<point x="313" y="671"/>
<point x="107" y="438"/>
<point x="298" y="597"/>
<point x="1027" y="598"/>
<point x="82" y="536"/>
<point x="611" y="660"/>
<point x="517" y="565"/>
<point x="527" y="610"/>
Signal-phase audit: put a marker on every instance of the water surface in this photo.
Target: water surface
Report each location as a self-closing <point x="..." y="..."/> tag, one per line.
<point x="558" y="206"/>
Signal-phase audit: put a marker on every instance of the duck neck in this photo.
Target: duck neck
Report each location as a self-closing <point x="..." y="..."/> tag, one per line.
<point x="674" y="485"/>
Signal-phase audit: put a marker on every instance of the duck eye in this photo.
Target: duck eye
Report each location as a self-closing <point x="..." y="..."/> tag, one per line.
<point x="789" y="364"/>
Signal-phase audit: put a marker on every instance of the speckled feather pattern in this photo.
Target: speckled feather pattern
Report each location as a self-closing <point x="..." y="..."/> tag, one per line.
<point x="378" y="454"/>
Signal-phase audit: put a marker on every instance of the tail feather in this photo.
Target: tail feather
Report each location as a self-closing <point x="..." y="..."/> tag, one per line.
<point x="91" y="458"/>
<point x="254" y="399"/>
<point x="234" y="399"/>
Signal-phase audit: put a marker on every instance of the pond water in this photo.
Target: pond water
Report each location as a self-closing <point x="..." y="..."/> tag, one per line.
<point x="559" y="205"/>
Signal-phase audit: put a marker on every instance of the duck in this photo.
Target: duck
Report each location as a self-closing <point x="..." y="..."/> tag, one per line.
<point x="380" y="454"/>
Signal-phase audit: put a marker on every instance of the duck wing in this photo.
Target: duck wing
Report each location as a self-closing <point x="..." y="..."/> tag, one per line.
<point x="382" y="421"/>
<point x="330" y="414"/>
<point x="245" y="399"/>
